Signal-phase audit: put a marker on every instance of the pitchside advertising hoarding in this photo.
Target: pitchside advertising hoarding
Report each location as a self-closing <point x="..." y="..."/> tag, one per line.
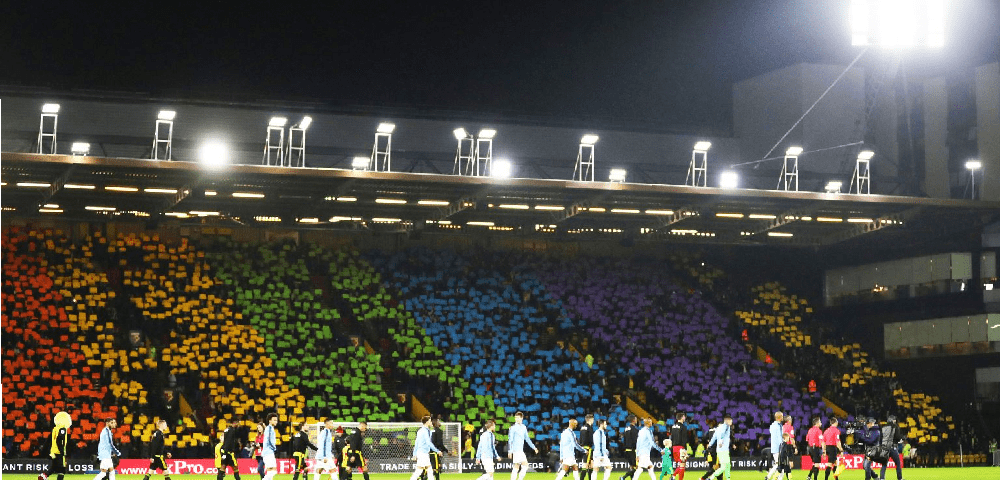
<point x="287" y="465"/>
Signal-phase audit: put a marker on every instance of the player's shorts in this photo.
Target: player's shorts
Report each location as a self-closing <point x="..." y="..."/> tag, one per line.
<point x="568" y="461"/>
<point x="157" y="463"/>
<point x="488" y="466"/>
<point x="107" y="464"/>
<point x="831" y="454"/>
<point x="816" y="454"/>
<point x="602" y="462"/>
<point x="519" y="457"/>
<point x="58" y="464"/>
<point x="324" y="464"/>
<point x="588" y="456"/>
<point x="630" y="458"/>
<point x="678" y="451"/>
<point x="435" y="460"/>
<point x="269" y="460"/>
<point x="642" y="461"/>
<point x="359" y="460"/>
<point x="300" y="461"/>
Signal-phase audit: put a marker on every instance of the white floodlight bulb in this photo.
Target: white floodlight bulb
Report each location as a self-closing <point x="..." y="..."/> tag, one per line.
<point x="460" y="133"/>
<point x="859" y="22"/>
<point x="617" y="175"/>
<point x="501" y="169"/>
<point x="80" y="148"/>
<point x="306" y="121"/>
<point x="277" y="122"/>
<point x="214" y="154"/>
<point x="487" y="134"/>
<point x="865" y="155"/>
<point x="360" y="163"/>
<point x="166" y="115"/>
<point x="386" y="127"/>
<point x="702" y="146"/>
<point x="50" y="108"/>
<point x="973" y="165"/>
<point x="833" y="186"/>
<point x="729" y="180"/>
<point x="589" y="139"/>
<point x="793" y="151"/>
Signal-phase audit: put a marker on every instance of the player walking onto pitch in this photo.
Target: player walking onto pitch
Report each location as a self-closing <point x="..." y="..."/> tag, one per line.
<point x="422" y="449"/>
<point x="437" y="439"/>
<point x="644" y="445"/>
<point x="300" y="442"/>
<point x="517" y="437"/>
<point x="629" y="436"/>
<point x="325" y="460"/>
<point x="58" y="451"/>
<point x="567" y="452"/>
<point x="227" y="452"/>
<point x="602" y="458"/>
<point x="721" y="441"/>
<point x="679" y="437"/>
<point x="487" y="451"/>
<point x="106" y="449"/>
<point x="354" y="458"/>
<point x="587" y="442"/>
<point x="158" y="452"/>
<point x="776" y="440"/>
<point x="270" y="447"/>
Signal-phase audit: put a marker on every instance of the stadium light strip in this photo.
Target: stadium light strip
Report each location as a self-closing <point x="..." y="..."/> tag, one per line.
<point x="625" y="210"/>
<point x="203" y="214"/>
<point x="177" y="214"/>
<point x="160" y="190"/>
<point x="729" y="215"/>
<point x="120" y="188"/>
<point x="50" y="210"/>
<point x="514" y="206"/>
<point x="860" y="220"/>
<point x="336" y="219"/>
<point x="247" y="195"/>
<point x="50" y="205"/>
<point x="597" y="209"/>
<point x="78" y="186"/>
<point x="779" y="234"/>
<point x="659" y="212"/>
<point x="99" y="209"/>
<point x="480" y="224"/>
<point x="34" y="184"/>
<point x="829" y="219"/>
<point x="260" y="218"/>
<point x="434" y="203"/>
<point x="386" y="220"/>
<point x="394" y="201"/>
<point x="309" y="220"/>
<point x="211" y="193"/>
<point x="550" y="207"/>
<point x="762" y="216"/>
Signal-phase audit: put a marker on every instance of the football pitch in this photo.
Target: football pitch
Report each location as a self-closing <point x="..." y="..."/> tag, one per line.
<point x="970" y="473"/>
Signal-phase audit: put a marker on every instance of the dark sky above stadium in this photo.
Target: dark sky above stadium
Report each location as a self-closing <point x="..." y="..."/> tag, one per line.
<point x="662" y="63"/>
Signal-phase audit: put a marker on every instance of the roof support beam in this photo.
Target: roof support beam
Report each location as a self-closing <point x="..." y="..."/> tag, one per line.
<point x="679" y="215"/>
<point x="58" y="184"/>
<point x="782" y="219"/>
<point x="892" y="220"/>
<point x="577" y="208"/>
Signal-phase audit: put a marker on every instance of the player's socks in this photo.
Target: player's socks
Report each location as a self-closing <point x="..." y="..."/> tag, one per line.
<point x="637" y="474"/>
<point x="146" y="477"/>
<point x="514" y="470"/>
<point x="101" y="475"/>
<point x="524" y="471"/>
<point x="111" y="475"/>
<point x="607" y="473"/>
<point x="561" y="474"/>
<point x="576" y="475"/>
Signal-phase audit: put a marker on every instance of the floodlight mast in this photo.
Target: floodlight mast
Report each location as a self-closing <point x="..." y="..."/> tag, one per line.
<point x="297" y="142"/>
<point x="972" y="166"/>
<point x="381" y="160"/>
<point x="583" y="171"/>
<point x="47" y="128"/>
<point x="861" y="179"/>
<point x="465" y="152"/>
<point x="697" y="175"/>
<point x="484" y="153"/>
<point x="163" y="135"/>
<point x="274" y="143"/>
<point x="789" y="179"/>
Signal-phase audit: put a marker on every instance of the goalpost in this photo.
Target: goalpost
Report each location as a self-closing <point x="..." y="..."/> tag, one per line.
<point x="389" y="445"/>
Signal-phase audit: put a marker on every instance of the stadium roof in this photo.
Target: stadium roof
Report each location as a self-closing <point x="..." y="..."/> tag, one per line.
<point x="95" y="188"/>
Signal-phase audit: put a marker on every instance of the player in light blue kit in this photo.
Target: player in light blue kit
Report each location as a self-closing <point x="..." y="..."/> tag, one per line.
<point x="517" y="437"/>
<point x="105" y="450"/>
<point x="422" y="450"/>
<point x="487" y="451"/>
<point x="644" y="445"/>
<point x="567" y="452"/>
<point x="269" y="447"/>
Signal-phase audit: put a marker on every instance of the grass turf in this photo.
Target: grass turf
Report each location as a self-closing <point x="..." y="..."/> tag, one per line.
<point x="970" y="473"/>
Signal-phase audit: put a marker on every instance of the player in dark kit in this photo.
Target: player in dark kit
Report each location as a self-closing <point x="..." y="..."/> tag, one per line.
<point x="58" y="449"/>
<point x="157" y="452"/>
<point x="679" y="437"/>
<point x="629" y="436"/>
<point x="587" y="442"/>
<point x="300" y="442"/>
<point x="340" y="450"/>
<point x="230" y="445"/>
<point x="437" y="439"/>
<point x="355" y="458"/>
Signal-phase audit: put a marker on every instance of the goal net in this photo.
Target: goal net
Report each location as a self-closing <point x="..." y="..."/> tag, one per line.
<point x="389" y="445"/>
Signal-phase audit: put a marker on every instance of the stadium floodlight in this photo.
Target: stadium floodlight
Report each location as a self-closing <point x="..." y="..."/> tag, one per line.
<point x="382" y="149"/>
<point x="583" y="170"/>
<point x="861" y="179"/>
<point x="729" y="180"/>
<point x="487" y="134"/>
<point x="789" y="179"/>
<point x="501" y="169"/>
<point x="297" y="142"/>
<point x="305" y="122"/>
<point x="697" y="174"/>
<point x="80" y="148"/>
<point x="274" y="143"/>
<point x="972" y="166"/>
<point x="589" y="139"/>
<point x="460" y="133"/>
<point x="277" y="122"/>
<point x="898" y="23"/>
<point x="464" y="153"/>
<point x="163" y="135"/>
<point x="482" y="156"/>
<point x="833" y="186"/>
<point x="47" y="127"/>
<point x="360" y="163"/>
<point x="214" y="154"/>
<point x="617" y="175"/>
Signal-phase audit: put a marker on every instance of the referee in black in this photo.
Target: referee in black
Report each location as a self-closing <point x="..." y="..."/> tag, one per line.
<point x="629" y="437"/>
<point x="587" y="442"/>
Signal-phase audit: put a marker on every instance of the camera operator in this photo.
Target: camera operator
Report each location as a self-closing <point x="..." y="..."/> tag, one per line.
<point x="868" y="437"/>
<point x="890" y="437"/>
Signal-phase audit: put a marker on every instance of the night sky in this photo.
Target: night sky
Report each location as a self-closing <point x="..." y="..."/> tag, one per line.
<point x="658" y="63"/>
